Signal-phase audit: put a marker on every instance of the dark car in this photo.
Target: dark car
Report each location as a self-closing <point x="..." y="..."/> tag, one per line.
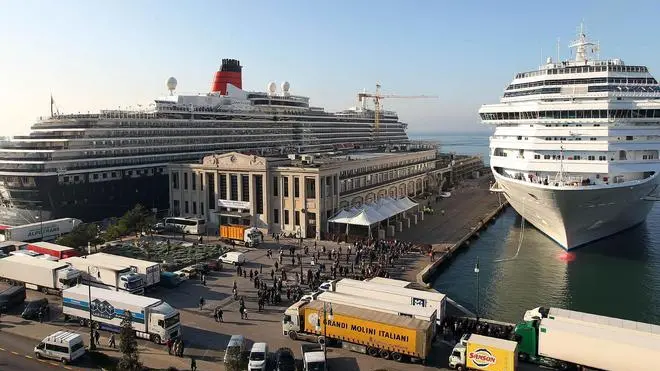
<point x="32" y="309"/>
<point x="284" y="360"/>
<point x="11" y="297"/>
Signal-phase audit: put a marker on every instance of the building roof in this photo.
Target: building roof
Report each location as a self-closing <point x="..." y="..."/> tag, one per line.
<point x="372" y="213"/>
<point x="111" y="295"/>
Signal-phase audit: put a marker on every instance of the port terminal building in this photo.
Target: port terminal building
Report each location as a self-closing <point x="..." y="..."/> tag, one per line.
<point x="299" y="194"/>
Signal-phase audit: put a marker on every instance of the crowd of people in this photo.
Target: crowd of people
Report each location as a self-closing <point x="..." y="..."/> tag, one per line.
<point x="453" y="328"/>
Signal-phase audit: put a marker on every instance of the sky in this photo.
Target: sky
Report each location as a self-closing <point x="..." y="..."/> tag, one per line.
<point x="93" y="55"/>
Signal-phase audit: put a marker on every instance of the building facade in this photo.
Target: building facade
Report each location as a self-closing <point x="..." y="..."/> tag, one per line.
<point x="295" y="195"/>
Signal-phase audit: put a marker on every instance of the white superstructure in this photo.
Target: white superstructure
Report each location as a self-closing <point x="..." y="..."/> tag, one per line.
<point x="575" y="149"/>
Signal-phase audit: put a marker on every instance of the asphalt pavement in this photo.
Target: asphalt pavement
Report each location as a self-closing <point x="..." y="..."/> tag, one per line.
<point x="16" y="354"/>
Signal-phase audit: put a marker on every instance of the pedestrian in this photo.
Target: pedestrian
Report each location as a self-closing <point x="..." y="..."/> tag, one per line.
<point x="170" y="343"/>
<point x="261" y="268"/>
<point x="220" y="313"/>
<point x="193" y="364"/>
<point x="111" y="341"/>
<point x="97" y="337"/>
<point x="272" y="273"/>
<point x="40" y="314"/>
<point x="181" y="348"/>
<point x="251" y="274"/>
<point x="245" y="313"/>
<point x="201" y="302"/>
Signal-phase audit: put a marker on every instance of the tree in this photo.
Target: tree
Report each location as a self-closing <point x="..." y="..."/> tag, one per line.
<point x="130" y="359"/>
<point x="235" y="360"/>
<point x="80" y="236"/>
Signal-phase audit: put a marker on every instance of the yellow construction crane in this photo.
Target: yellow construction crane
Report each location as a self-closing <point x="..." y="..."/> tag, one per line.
<point x="377" y="96"/>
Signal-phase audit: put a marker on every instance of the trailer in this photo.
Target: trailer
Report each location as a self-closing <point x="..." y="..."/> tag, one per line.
<point x="38" y="274"/>
<point x="373" y="302"/>
<point x="588" y="340"/>
<point x="105" y="275"/>
<point x="367" y="331"/>
<point x="57" y="251"/>
<point x="149" y="271"/>
<point x="46" y="230"/>
<point x="393" y="294"/>
<point x="152" y="319"/>
<point x="250" y="236"/>
<point x="390" y="281"/>
<point x="476" y="352"/>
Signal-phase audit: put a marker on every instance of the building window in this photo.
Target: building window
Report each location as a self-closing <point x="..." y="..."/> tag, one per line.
<point x="259" y="190"/>
<point x="105" y="175"/>
<point x="210" y="180"/>
<point x="193" y="178"/>
<point x="602" y="158"/>
<point x="175" y="180"/>
<point x="194" y="207"/>
<point x="201" y="208"/>
<point x="546" y="157"/>
<point x="310" y="187"/>
<point x="296" y="187"/>
<point x="591" y="158"/>
<point x="276" y="216"/>
<point x="223" y="186"/>
<point x="286" y="217"/>
<point x="201" y="181"/>
<point x="285" y="187"/>
<point x="185" y="181"/>
<point x="233" y="180"/>
<point x="296" y="217"/>
<point x="185" y="207"/>
<point x="276" y="186"/>
<point x="245" y="183"/>
<point x="537" y="157"/>
<point x="176" y="206"/>
<point x="96" y="176"/>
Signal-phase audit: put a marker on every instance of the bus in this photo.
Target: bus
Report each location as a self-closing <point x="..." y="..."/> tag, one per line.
<point x="185" y="225"/>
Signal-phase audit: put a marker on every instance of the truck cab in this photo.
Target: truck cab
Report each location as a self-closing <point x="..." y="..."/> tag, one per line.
<point x="291" y="325"/>
<point x="68" y="277"/>
<point x="164" y="323"/>
<point x="253" y="237"/>
<point x="476" y="352"/>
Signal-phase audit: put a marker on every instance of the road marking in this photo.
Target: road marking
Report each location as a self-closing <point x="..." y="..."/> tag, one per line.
<point x="67" y="367"/>
<point x="54" y="364"/>
<point x="42" y="361"/>
<point x="30" y="357"/>
<point x="14" y="353"/>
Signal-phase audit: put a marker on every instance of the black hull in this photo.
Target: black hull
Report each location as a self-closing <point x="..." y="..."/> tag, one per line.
<point x="88" y="201"/>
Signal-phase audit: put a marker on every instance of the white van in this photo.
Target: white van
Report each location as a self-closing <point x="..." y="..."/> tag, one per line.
<point x="232" y="257"/>
<point x="62" y="346"/>
<point x="258" y="357"/>
<point x="235" y="348"/>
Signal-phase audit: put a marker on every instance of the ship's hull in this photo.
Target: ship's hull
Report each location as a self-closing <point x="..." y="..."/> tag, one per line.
<point x="576" y="216"/>
<point x="88" y="201"/>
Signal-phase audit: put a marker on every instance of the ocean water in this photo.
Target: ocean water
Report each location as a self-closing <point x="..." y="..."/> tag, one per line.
<point x="617" y="276"/>
<point x="459" y="143"/>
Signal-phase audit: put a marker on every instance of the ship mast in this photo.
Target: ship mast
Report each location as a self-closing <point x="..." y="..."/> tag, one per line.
<point x="580" y="44"/>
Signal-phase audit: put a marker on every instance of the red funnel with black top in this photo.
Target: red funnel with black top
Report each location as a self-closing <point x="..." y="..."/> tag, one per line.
<point x="229" y="73"/>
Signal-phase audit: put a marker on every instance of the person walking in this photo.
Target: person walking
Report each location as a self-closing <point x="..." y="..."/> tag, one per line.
<point x="170" y="343"/>
<point x="97" y="337"/>
<point x="111" y="341"/>
<point x="201" y="302"/>
<point x="193" y="364"/>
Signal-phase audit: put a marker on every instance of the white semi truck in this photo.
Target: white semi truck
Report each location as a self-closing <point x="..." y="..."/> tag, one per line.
<point x="46" y="230"/>
<point x="105" y="275"/>
<point x="153" y="319"/>
<point x="401" y="295"/>
<point x="149" y="271"/>
<point x="559" y="337"/>
<point x="38" y="274"/>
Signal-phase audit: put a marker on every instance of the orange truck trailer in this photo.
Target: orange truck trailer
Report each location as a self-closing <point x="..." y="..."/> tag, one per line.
<point x="366" y="331"/>
<point x="250" y="236"/>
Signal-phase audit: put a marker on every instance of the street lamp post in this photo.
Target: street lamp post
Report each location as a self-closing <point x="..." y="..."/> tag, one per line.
<point x="326" y="316"/>
<point x="476" y="270"/>
<point x="92" y="345"/>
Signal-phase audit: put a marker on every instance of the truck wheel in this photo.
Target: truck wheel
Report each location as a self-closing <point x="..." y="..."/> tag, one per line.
<point x="321" y="340"/>
<point x="155" y="339"/>
<point x="397" y="356"/>
<point x="96" y="325"/>
<point x="82" y="322"/>
<point x="385" y="354"/>
<point x="64" y="361"/>
<point x="373" y="351"/>
<point x="37" y="354"/>
<point x="44" y="290"/>
<point x="459" y="368"/>
<point x="293" y="335"/>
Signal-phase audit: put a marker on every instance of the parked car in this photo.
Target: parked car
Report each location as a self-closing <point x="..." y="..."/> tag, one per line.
<point x="32" y="309"/>
<point x="169" y="280"/>
<point x="202" y="268"/>
<point x="284" y="360"/>
<point x="11" y="297"/>
<point x="235" y="349"/>
<point x="258" y="360"/>
<point x="183" y="276"/>
<point x="190" y="271"/>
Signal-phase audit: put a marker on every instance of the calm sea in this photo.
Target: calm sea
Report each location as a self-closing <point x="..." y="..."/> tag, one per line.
<point x="618" y="276"/>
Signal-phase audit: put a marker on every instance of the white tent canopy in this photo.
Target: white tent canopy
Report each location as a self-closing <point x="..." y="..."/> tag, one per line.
<point x="372" y="213"/>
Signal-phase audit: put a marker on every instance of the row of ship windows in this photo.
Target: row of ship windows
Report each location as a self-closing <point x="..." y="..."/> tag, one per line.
<point x="623" y="155"/>
<point x="590" y="89"/>
<point x="572" y="114"/>
<point x="583" y="69"/>
<point x="596" y="80"/>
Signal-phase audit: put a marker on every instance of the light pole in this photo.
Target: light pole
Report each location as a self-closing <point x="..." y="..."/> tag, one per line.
<point x="476" y="270"/>
<point x="92" y="345"/>
<point x="326" y="316"/>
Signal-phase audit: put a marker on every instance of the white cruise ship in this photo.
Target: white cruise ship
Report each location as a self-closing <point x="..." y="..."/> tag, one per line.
<point x="575" y="149"/>
<point x="91" y="166"/>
